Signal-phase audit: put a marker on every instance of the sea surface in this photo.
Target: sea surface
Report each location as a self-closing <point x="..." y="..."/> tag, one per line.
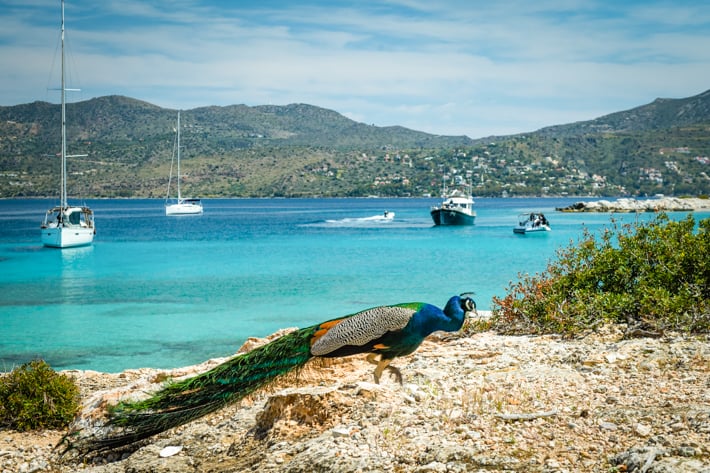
<point x="163" y="292"/>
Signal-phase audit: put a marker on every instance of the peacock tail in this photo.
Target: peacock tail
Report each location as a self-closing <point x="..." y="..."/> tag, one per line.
<point x="183" y="401"/>
<point x="384" y="332"/>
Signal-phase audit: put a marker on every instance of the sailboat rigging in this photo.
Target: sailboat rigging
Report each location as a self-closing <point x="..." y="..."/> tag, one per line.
<point x="67" y="226"/>
<point x="183" y="206"/>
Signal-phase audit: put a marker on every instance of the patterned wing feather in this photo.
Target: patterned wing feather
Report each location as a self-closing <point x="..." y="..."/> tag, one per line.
<point x="361" y="328"/>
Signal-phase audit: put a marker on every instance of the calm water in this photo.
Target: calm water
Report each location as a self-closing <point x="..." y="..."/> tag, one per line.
<point x="164" y="292"/>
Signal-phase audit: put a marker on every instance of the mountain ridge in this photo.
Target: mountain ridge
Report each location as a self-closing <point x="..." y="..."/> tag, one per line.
<point x="305" y="150"/>
<point x="659" y="114"/>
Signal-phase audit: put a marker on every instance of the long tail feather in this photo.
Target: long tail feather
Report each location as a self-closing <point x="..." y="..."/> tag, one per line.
<point x="183" y="401"/>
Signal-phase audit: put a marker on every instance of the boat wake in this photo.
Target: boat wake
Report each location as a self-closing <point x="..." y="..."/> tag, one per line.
<point x="385" y="217"/>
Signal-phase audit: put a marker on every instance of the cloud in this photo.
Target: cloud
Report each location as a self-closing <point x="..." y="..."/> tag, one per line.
<point x="450" y="67"/>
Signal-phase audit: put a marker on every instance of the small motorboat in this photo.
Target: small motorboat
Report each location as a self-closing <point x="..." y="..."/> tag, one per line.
<point x="534" y="222"/>
<point x="383" y="218"/>
<point x="386" y="215"/>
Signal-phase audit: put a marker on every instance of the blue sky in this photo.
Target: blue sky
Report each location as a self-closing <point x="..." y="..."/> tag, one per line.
<point x="450" y="67"/>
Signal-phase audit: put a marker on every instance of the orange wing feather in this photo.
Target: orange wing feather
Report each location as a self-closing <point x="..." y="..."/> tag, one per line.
<point x="323" y="329"/>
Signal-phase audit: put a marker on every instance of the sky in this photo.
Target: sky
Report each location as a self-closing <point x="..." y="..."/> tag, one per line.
<point x="447" y="67"/>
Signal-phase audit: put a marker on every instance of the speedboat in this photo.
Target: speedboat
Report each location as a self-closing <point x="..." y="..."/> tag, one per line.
<point x="386" y="215"/>
<point x="533" y="222"/>
<point x="383" y="218"/>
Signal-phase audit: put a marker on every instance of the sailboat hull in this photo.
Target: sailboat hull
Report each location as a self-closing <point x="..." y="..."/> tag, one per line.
<point x="67" y="237"/>
<point x="184" y="208"/>
<point x="68" y="227"/>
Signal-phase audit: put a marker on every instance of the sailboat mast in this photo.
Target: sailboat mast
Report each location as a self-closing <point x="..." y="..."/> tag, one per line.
<point x="64" y="125"/>
<point x="178" y="156"/>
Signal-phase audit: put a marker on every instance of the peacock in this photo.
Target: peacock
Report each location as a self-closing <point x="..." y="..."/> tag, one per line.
<point x="383" y="332"/>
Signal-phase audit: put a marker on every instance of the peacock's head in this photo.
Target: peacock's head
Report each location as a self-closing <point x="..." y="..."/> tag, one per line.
<point x="456" y="309"/>
<point x="468" y="304"/>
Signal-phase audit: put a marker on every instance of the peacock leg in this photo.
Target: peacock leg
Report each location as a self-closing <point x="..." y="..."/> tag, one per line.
<point x="397" y="373"/>
<point x="381" y="366"/>
<point x="372" y="358"/>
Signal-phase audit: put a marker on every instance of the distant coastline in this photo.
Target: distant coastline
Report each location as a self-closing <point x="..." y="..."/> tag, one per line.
<point x="662" y="204"/>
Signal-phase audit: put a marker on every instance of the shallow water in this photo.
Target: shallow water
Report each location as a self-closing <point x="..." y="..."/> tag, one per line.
<point x="157" y="291"/>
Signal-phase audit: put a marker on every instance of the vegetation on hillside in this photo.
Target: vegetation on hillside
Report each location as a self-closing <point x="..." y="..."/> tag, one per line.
<point x="653" y="277"/>
<point x="300" y="150"/>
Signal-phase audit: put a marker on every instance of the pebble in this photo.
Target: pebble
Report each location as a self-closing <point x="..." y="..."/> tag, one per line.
<point x="170" y="450"/>
<point x="341" y="432"/>
<point x="642" y="430"/>
<point x="686" y="451"/>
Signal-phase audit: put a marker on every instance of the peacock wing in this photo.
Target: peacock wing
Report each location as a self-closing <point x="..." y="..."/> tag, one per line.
<point x="362" y="328"/>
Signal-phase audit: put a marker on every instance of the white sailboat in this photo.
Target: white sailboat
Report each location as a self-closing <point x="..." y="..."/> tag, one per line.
<point x="67" y="226"/>
<point x="183" y="206"/>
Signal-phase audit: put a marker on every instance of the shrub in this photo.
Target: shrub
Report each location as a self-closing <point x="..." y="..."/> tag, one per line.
<point x="34" y="396"/>
<point x="654" y="277"/>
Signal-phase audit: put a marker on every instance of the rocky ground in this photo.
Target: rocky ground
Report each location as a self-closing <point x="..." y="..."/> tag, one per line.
<point x="665" y="204"/>
<point x="478" y="403"/>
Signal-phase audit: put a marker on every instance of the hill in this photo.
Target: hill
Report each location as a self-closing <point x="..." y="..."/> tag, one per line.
<point x="661" y="114"/>
<point x="303" y="150"/>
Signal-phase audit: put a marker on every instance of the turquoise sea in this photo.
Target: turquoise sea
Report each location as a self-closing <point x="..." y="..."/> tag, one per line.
<point x="157" y="291"/>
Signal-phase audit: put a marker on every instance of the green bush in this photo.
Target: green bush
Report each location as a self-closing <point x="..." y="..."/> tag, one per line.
<point x="654" y="277"/>
<point x="34" y="396"/>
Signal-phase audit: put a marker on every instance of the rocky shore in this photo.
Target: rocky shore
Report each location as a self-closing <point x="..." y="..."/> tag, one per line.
<point x="663" y="204"/>
<point x="477" y="403"/>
